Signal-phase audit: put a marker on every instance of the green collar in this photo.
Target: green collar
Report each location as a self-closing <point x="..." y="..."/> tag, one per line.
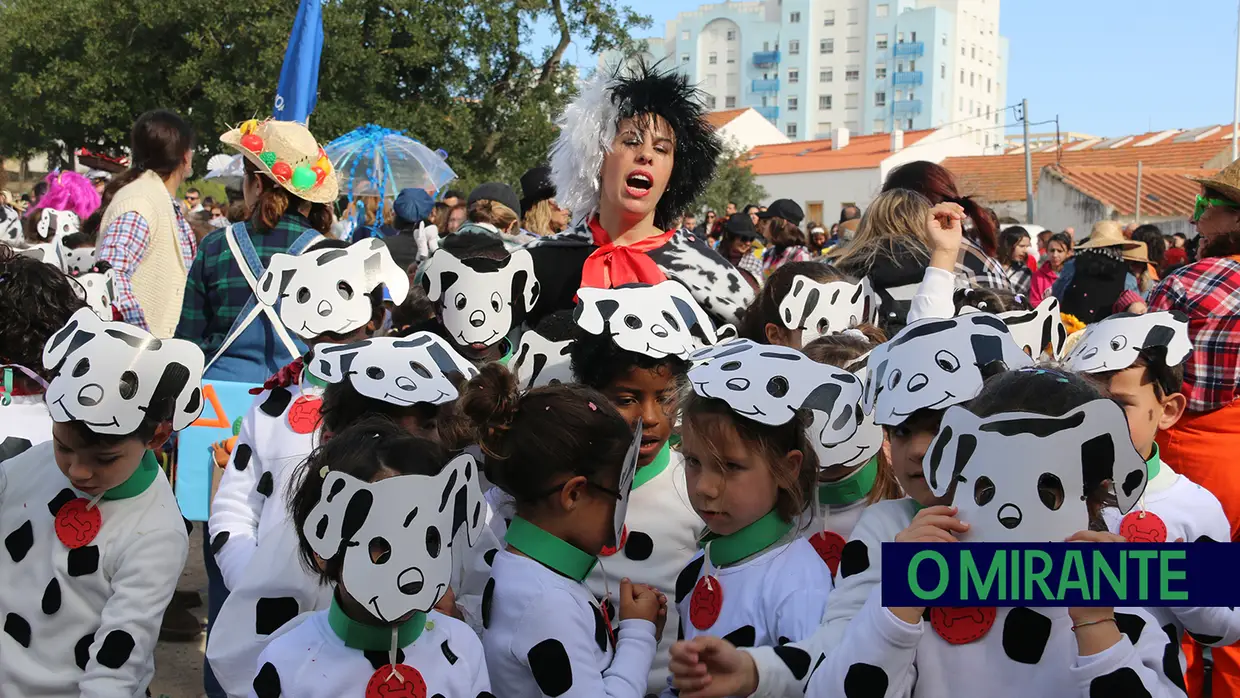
<point x="853" y="487"/>
<point x="757" y="536"/>
<point x="508" y="352"/>
<point x="549" y="551"/>
<point x="137" y="483"/>
<point x="1153" y="465"/>
<point x="646" y="473"/>
<point x="313" y="379"/>
<point x="374" y="638"/>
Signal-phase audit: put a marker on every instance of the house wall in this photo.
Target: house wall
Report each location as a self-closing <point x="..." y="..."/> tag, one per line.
<point x="750" y="130"/>
<point x="1060" y="206"/>
<point x="831" y="189"/>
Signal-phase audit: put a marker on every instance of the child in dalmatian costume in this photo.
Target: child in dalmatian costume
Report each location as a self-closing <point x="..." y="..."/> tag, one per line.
<point x="45" y="229"/>
<point x="93" y="540"/>
<point x="633" y="153"/>
<point x="632" y="346"/>
<point x="928" y="366"/>
<point x="384" y="517"/>
<point x="568" y="459"/>
<point x="281" y="428"/>
<point x="37" y="302"/>
<point x="984" y="651"/>
<point x="10" y="226"/>
<point x="1141" y="360"/>
<point x="757" y="582"/>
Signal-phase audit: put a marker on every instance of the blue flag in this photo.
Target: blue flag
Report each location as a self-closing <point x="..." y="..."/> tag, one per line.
<point x="299" y="78"/>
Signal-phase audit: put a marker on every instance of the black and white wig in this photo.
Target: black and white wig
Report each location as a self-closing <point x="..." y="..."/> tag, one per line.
<point x="588" y="128"/>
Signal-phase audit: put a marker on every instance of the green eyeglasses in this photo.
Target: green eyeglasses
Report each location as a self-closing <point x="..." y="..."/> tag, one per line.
<point x="1204" y="202"/>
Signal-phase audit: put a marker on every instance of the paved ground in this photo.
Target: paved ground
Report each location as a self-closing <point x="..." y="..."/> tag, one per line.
<point x="178" y="665"/>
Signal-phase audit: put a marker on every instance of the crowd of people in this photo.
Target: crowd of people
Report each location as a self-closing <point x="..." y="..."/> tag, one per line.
<point x="586" y="441"/>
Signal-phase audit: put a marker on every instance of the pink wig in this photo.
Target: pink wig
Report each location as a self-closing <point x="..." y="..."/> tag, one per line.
<point x="69" y="191"/>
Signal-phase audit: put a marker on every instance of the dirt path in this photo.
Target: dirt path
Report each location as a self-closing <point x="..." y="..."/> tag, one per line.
<point x="178" y="665"/>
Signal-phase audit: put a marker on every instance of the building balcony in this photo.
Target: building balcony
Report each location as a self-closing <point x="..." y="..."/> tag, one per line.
<point x="910" y="49"/>
<point x="907" y="77"/>
<point x="908" y="106"/>
<point x="763" y="59"/>
<point x="771" y="85"/>
<point x="768" y="113"/>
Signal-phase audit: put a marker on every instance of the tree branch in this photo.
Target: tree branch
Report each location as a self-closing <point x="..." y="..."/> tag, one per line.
<point x="566" y="38"/>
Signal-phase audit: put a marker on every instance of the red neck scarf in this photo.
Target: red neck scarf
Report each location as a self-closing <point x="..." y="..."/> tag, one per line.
<point x="613" y="265"/>
<point x="286" y="376"/>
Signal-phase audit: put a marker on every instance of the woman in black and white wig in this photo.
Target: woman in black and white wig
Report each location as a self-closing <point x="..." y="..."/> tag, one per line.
<point x="634" y="152"/>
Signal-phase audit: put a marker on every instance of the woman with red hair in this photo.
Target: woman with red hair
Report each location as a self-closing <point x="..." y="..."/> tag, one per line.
<point x="976" y="263"/>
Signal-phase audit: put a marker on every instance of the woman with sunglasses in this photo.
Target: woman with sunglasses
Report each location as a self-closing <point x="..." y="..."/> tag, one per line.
<point x="1208" y="291"/>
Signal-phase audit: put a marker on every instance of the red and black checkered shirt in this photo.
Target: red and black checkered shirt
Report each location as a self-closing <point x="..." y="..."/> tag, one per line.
<point x="1208" y="292"/>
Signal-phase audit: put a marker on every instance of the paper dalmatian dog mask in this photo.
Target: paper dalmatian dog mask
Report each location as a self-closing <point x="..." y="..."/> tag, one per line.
<point x="110" y="375"/>
<point x="414" y="517"/>
<point x="481" y="299"/>
<point x="819" y="309"/>
<point x="1022" y="477"/>
<point x="74" y="261"/>
<point x="936" y="363"/>
<point x="769" y="384"/>
<point x="55" y="224"/>
<point x="1115" y="343"/>
<point x="10" y="226"/>
<point x="625" y="488"/>
<point x="1039" y="332"/>
<point x="541" y="361"/>
<point x="98" y="290"/>
<point x="658" y="321"/>
<point x="325" y="290"/>
<point x="855" y="450"/>
<point x="397" y="370"/>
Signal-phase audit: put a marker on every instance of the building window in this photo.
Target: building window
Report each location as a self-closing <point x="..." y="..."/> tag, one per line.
<point x="734" y="81"/>
<point x="792" y="104"/>
<point x="970" y="107"/>
<point x="962" y="47"/>
<point x="794" y="18"/>
<point x="731" y="56"/>
<point x="880" y="99"/>
<point x="962" y="104"/>
<point x="828" y="18"/>
<point x="909" y="125"/>
<point x="824" y="101"/>
<point x="882" y="10"/>
<point x="684" y="35"/>
<point x="852" y="74"/>
<point x="971" y="76"/>
<point x="712" y="58"/>
<point x="710" y="101"/>
<point x="711" y="80"/>
<point x="987" y="85"/>
<point x="962" y="77"/>
<point x="880" y="73"/>
<point x="942" y="70"/>
<point x="731" y="35"/>
<point x="973" y="51"/>
<point x="979" y="110"/>
<point x="880" y="42"/>
<point x="826" y="46"/>
<point x="824" y="129"/>
<point x="943" y="39"/>
<point x="684" y="59"/>
<point x="852" y="128"/>
<point x="912" y="36"/>
<point x="794" y="47"/>
<point x="794" y="76"/>
<point x="850" y="102"/>
<point x="899" y="37"/>
<point x="791" y="130"/>
<point x="899" y="95"/>
<point x="825" y="75"/>
<point x="852" y="15"/>
<point x="729" y="102"/>
<point x="853" y="44"/>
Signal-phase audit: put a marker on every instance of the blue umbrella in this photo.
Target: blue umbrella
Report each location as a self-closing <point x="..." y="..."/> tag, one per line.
<point x="298" y="90"/>
<point x="376" y="161"/>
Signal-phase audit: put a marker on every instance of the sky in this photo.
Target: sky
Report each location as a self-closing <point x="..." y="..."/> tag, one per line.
<point x="1105" y="67"/>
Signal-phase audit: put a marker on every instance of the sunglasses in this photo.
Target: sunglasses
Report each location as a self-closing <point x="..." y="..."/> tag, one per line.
<point x="1204" y="202"/>
<point x="191" y="197"/>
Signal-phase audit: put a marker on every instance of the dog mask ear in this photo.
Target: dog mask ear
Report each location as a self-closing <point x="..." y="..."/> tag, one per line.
<point x="951" y="449"/>
<point x="343" y="505"/>
<point x="276" y="278"/>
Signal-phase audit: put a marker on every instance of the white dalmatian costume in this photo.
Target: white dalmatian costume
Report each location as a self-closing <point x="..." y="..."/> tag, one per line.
<point x="252" y="538"/>
<point x="85" y="578"/>
<point x="25" y="421"/>
<point x="862" y="649"/>
<point x="10" y="226"/>
<point x="98" y="290"/>
<point x="329" y="653"/>
<point x="480" y="300"/>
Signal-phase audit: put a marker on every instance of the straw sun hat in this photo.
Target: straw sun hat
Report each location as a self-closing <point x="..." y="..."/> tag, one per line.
<point x="1226" y="182"/>
<point x="1109" y="234"/>
<point x="286" y="152"/>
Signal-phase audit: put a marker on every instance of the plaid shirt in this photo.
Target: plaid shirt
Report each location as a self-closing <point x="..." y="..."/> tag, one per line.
<point x="215" y="291"/>
<point x="980" y="269"/>
<point x="123" y="245"/>
<point x="1208" y="292"/>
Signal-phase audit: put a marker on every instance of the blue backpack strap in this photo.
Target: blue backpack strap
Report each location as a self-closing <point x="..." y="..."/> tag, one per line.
<point x="307" y="238"/>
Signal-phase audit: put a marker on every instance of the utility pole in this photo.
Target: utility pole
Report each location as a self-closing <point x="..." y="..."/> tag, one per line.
<point x="1138" y="192"/>
<point x="1024" y="116"/>
<point x="1235" y="114"/>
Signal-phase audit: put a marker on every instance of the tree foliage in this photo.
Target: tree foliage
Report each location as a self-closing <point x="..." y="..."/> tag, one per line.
<point x="457" y="74"/>
<point x="734" y="182"/>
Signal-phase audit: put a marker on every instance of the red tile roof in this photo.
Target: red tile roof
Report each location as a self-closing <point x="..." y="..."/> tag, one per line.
<point x="997" y="178"/>
<point x="719" y="119"/>
<point x="1165" y="192"/>
<point x="862" y="152"/>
